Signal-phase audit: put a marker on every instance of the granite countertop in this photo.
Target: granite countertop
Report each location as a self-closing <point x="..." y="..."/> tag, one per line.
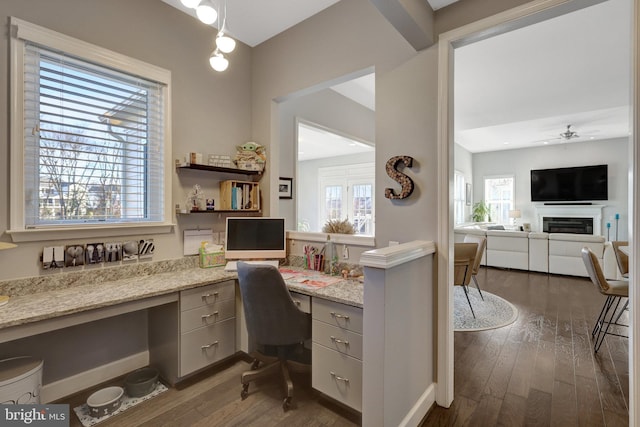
<point x="28" y="308"/>
<point x="346" y="291"/>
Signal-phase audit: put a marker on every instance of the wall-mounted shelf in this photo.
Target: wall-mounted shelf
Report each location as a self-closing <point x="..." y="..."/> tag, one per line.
<point x="221" y="169"/>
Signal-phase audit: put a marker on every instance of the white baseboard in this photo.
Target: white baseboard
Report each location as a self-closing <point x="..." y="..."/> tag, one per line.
<point x="420" y="409"/>
<point x="75" y="383"/>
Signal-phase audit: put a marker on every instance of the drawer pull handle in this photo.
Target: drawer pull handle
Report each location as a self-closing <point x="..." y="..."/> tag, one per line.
<point x="339" y="316"/>
<point x="339" y="341"/>
<point x="205" y="296"/>
<point x="208" y="346"/>
<point x="206" y="316"/>
<point x="338" y="377"/>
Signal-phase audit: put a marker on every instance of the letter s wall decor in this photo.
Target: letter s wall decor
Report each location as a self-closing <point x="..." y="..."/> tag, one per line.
<point x="399" y="177"/>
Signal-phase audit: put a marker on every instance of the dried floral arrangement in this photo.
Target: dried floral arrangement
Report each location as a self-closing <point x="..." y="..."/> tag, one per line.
<point x="338" y="226"/>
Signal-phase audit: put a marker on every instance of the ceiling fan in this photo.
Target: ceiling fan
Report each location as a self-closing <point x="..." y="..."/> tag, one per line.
<point x="569" y="134"/>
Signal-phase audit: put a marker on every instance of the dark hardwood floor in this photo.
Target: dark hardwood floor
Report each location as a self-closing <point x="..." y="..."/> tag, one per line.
<point x="538" y="371"/>
<point x="213" y="399"/>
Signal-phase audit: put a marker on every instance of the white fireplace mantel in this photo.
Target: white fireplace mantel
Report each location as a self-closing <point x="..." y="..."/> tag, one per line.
<point x="572" y="211"/>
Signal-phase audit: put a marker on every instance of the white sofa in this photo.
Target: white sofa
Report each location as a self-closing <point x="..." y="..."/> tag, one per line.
<point x="565" y="252"/>
<point x="556" y="253"/>
<point x="508" y="249"/>
<point x="539" y="252"/>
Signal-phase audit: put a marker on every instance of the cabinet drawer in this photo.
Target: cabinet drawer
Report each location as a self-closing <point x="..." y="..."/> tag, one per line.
<point x="341" y="340"/>
<point x="303" y="302"/>
<point x="207" y="315"/>
<point x="337" y="375"/>
<point x="334" y="313"/>
<point x="203" y="346"/>
<point x="207" y="295"/>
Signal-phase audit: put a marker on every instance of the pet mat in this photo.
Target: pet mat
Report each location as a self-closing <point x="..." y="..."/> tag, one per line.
<point x="87" y="420"/>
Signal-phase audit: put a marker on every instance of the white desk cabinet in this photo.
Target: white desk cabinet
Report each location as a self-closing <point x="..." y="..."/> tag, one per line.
<point x="303" y="302"/>
<point x="336" y="367"/>
<point x="199" y="332"/>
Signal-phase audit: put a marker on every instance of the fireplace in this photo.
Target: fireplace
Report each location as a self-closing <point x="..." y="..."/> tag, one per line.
<point x="581" y="219"/>
<point x="576" y="225"/>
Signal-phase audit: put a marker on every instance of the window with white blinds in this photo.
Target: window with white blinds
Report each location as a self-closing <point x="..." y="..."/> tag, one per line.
<point x="94" y="137"/>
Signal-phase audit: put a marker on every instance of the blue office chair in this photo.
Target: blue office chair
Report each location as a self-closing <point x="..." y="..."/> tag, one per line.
<point x="275" y="323"/>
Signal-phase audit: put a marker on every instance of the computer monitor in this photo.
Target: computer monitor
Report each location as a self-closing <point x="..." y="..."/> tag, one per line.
<point x="255" y="238"/>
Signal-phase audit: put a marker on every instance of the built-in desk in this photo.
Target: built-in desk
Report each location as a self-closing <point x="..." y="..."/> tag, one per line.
<point x="177" y="303"/>
<point x="398" y="329"/>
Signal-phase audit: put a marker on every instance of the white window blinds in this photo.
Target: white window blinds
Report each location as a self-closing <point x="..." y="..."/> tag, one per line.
<point x="93" y="144"/>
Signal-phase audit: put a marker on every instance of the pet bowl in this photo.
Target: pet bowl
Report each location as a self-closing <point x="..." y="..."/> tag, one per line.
<point x="141" y="382"/>
<point x="105" y="401"/>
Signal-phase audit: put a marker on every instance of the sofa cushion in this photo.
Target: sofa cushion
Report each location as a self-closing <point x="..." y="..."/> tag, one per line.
<point x="542" y="236"/>
<point x="539" y="252"/>
<point x="565" y="252"/>
<point x="508" y="233"/>
<point x="569" y="237"/>
<point x="474" y="231"/>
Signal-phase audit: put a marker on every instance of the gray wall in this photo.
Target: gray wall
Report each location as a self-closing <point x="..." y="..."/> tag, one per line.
<point x="324" y="107"/>
<point x="214" y="112"/>
<point x="406" y="108"/>
<point x="211" y="111"/>
<point x="520" y="162"/>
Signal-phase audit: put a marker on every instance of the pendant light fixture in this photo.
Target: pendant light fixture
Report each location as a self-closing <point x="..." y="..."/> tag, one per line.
<point x="191" y="4"/>
<point x="225" y="43"/>
<point x="218" y="61"/>
<point x="206" y="12"/>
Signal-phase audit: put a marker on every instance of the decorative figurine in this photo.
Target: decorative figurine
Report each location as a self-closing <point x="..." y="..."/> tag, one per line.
<point x="250" y="156"/>
<point x="194" y="198"/>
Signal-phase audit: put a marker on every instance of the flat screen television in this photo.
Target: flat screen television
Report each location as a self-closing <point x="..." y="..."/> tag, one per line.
<point x="255" y="238"/>
<point x="583" y="183"/>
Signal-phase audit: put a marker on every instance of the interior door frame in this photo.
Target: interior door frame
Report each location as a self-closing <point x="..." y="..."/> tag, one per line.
<point x="533" y="12"/>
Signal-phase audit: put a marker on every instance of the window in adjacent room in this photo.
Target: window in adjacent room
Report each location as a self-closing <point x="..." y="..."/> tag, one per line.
<point x="499" y="196"/>
<point x="337" y="173"/>
<point x="92" y="128"/>
<point x="459" y="197"/>
<point x="347" y="192"/>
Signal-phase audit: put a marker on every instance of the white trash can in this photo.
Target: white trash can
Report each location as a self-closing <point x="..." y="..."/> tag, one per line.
<point x="20" y="380"/>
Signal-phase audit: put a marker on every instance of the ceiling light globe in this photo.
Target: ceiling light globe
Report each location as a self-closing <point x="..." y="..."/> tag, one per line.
<point x="191" y="4"/>
<point x="225" y="43"/>
<point x="206" y="13"/>
<point x="218" y="61"/>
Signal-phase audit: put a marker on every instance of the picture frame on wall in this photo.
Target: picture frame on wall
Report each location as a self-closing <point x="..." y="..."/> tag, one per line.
<point x="467" y="194"/>
<point x="285" y="188"/>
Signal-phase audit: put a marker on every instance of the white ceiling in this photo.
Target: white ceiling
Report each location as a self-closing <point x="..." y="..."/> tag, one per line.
<point x="516" y="90"/>
<point x="317" y="143"/>
<point x="254" y="21"/>
<point x="522" y="88"/>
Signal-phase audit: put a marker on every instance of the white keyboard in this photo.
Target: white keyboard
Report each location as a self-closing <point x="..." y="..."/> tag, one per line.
<point x="233" y="265"/>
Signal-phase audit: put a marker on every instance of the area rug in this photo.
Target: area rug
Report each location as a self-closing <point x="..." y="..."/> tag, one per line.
<point x="493" y="312"/>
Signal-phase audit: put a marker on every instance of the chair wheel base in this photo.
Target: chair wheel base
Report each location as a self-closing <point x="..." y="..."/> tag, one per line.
<point x="286" y="403"/>
<point x="245" y="391"/>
